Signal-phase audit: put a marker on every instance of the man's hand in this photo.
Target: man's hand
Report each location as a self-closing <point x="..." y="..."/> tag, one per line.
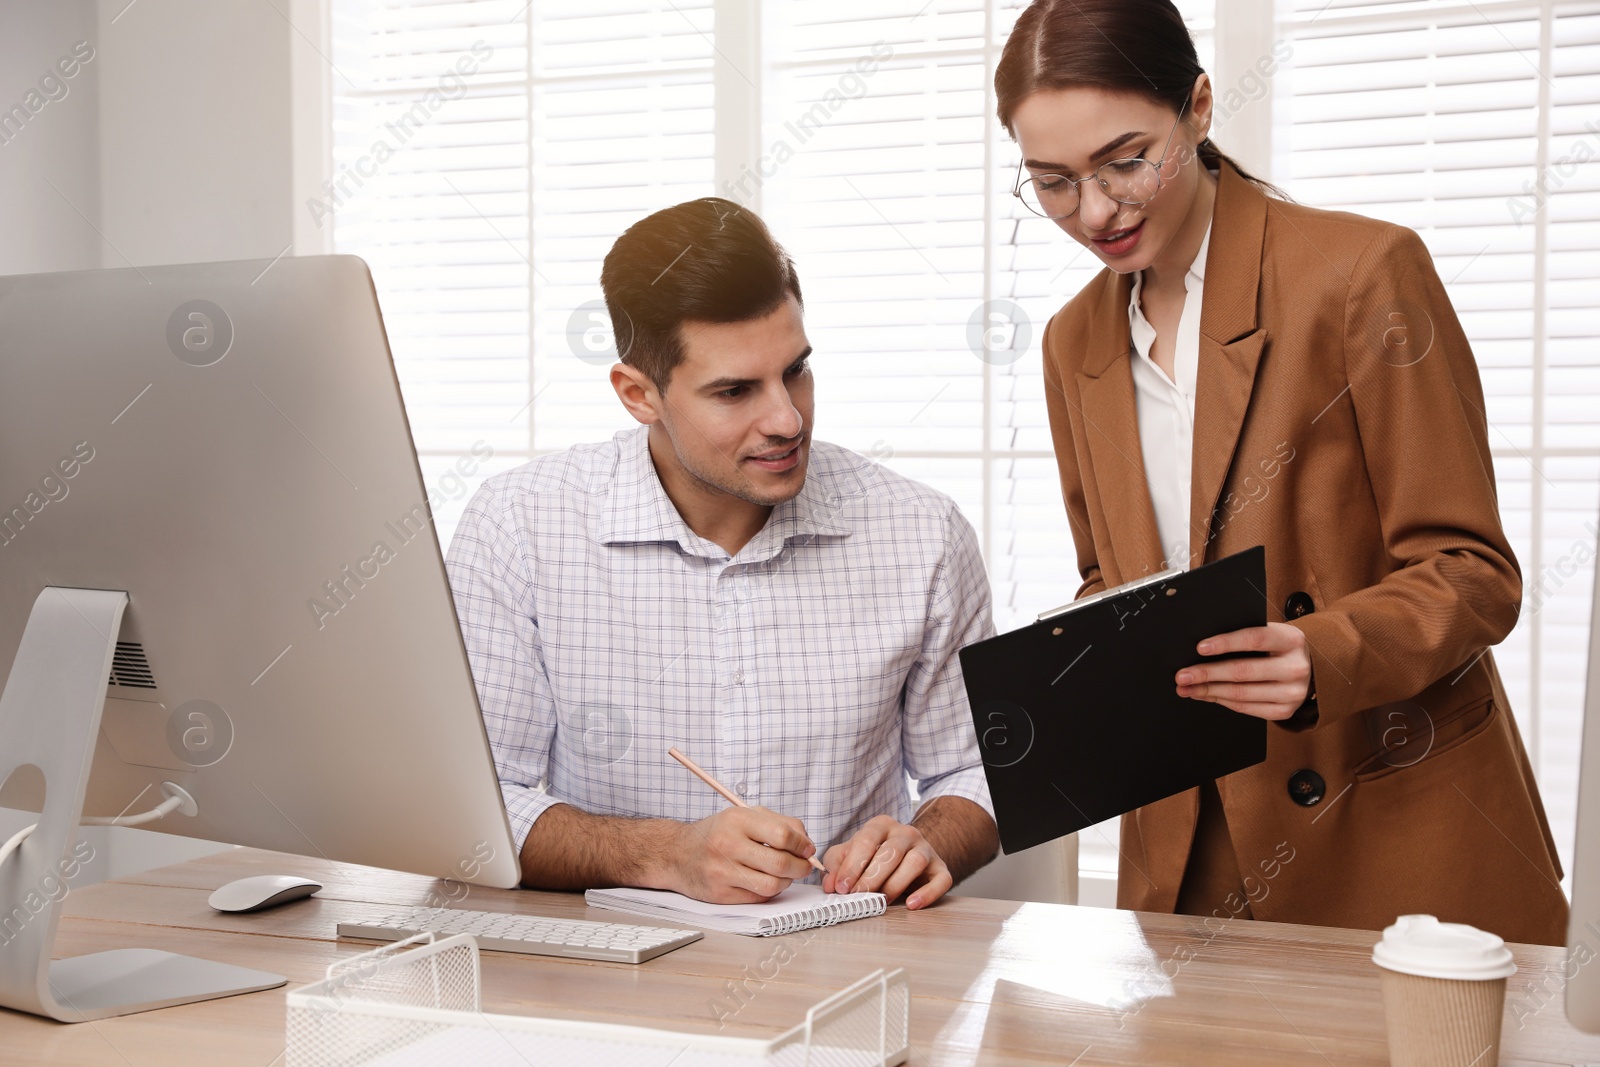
<point x="740" y="856"/>
<point x="747" y="855"/>
<point x="1269" y="687"/>
<point x="887" y="857"/>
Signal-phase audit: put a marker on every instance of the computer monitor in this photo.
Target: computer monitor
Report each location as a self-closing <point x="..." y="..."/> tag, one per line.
<point x="226" y="443"/>
<point x="1583" y="934"/>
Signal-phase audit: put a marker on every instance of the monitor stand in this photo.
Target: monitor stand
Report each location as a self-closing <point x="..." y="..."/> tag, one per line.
<point x="49" y="718"/>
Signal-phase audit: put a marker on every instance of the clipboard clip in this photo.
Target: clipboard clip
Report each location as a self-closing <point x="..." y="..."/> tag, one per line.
<point x="1107" y="594"/>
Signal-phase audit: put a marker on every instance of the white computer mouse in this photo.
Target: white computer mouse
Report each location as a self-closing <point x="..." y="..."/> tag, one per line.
<point x="262" y="891"/>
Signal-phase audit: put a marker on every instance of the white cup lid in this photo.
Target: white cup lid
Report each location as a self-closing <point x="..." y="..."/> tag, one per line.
<point x="1424" y="946"/>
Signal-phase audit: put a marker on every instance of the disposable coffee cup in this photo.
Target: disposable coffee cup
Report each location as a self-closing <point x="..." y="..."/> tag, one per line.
<point x="1444" y="992"/>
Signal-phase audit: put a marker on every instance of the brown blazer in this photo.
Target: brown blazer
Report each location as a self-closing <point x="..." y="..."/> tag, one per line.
<point x="1339" y="422"/>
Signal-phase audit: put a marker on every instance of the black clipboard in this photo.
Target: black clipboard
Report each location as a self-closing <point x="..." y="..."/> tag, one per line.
<point x="1078" y="716"/>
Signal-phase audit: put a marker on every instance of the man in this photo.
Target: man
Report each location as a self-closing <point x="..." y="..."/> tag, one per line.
<point x="784" y="611"/>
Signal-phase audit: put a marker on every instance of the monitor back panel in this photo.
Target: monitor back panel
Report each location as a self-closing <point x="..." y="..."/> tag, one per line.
<point x="227" y="443"/>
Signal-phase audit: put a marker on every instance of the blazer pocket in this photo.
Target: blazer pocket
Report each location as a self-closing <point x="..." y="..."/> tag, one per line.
<point x="1405" y="734"/>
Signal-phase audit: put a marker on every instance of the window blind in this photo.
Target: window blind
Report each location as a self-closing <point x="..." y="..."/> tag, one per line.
<point x="1561" y="577"/>
<point x="623" y="120"/>
<point x="431" y="101"/>
<point x="508" y="145"/>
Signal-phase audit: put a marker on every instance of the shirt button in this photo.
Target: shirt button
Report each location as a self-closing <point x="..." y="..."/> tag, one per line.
<point x="1307" y="788"/>
<point x="739" y="788"/>
<point x="738" y="677"/>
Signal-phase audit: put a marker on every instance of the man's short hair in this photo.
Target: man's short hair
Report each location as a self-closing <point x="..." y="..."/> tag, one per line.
<point x="706" y="260"/>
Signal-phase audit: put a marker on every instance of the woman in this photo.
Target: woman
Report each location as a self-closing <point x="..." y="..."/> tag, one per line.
<point x="1250" y="371"/>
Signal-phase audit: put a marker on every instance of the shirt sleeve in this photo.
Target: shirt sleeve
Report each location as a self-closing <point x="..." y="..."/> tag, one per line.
<point x="937" y="735"/>
<point x="491" y="575"/>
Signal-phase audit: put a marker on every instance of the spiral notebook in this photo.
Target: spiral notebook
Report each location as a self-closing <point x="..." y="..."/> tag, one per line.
<point x="800" y="907"/>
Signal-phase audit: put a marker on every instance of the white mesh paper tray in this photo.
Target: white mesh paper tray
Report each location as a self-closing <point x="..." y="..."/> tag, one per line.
<point x="416" y="1002"/>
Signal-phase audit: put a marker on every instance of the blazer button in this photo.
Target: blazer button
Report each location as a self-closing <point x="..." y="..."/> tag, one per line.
<point x="1307" y="788"/>
<point x="1298" y="605"/>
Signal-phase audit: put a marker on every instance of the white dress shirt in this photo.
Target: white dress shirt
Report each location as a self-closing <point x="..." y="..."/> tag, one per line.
<point x="811" y="673"/>
<point x="1166" y="409"/>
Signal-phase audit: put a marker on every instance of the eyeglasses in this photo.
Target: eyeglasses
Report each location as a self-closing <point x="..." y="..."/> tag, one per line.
<point x="1127" y="181"/>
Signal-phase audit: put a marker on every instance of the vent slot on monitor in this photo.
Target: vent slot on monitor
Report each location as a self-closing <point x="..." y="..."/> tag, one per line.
<point x="130" y="668"/>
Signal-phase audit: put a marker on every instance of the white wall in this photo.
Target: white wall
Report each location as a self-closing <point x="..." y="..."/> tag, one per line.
<point x="170" y="145"/>
<point x="194" y="130"/>
<point x="57" y="145"/>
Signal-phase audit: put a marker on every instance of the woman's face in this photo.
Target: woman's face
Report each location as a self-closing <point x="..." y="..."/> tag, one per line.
<point x="1073" y="131"/>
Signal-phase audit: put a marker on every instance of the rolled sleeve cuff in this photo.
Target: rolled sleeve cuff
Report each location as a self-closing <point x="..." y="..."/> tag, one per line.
<point x="969" y="784"/>
<point x="524" y="805"/>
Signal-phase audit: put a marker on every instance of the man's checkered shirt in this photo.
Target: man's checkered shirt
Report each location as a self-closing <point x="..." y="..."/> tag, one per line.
<point x="812" y="672"/>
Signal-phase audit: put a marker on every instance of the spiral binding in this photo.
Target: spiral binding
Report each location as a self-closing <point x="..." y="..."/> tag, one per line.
<point x="825" y="915"/>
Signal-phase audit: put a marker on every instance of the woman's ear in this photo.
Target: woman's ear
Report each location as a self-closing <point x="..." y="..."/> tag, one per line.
<point x="1201" y="103"/>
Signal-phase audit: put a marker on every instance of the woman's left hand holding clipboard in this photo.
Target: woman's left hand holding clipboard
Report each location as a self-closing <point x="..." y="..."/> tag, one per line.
<point x="1270" y="686"/>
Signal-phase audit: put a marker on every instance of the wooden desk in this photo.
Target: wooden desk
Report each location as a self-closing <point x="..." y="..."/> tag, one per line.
<point x="992" y="982"/>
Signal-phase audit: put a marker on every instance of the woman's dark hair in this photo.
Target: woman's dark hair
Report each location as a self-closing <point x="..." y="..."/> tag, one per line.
<point x="1139" y="46"/>
<point x="706" y="260"/>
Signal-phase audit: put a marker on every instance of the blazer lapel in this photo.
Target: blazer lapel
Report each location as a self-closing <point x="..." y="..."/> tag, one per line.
<point x="1111" y="425"/>
<point x="1231" y="344"/>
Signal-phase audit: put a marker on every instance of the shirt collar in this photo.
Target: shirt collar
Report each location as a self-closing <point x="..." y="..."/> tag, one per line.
<point x="819" y="507"/>
<point x="1197" y="269"/>
<point x="637" y="508"/>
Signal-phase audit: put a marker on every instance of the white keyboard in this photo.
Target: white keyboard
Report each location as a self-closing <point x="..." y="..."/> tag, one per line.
<point x="535" y="935"/>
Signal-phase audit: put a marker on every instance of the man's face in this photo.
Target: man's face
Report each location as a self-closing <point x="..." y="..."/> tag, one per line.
<point x="737" y="410"/>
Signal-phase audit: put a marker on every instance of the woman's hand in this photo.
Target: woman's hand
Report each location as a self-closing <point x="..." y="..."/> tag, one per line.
<point x="1269" y="687"/>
